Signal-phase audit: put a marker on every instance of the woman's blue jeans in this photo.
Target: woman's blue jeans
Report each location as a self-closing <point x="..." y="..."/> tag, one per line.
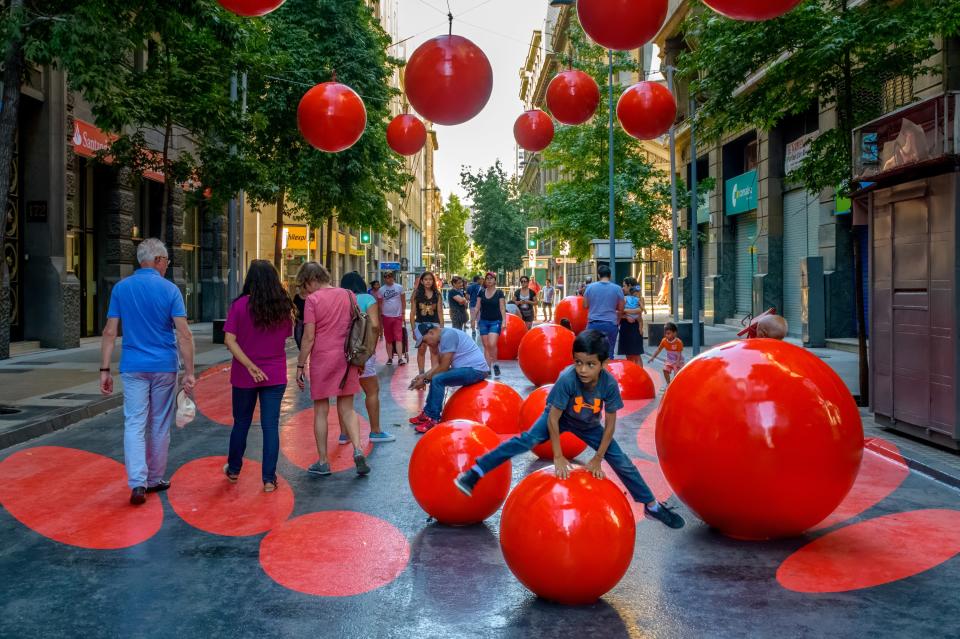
<point x="244" y="403"/>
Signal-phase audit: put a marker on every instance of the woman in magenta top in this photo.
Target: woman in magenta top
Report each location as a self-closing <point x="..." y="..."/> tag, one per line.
<point x="257" y="328"/>
<point x="327" y="317"/>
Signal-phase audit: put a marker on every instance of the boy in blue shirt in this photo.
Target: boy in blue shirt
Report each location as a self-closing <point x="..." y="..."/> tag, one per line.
<point x="575" y="403"/>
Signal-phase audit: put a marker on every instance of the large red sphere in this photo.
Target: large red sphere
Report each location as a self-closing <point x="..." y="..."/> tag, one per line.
<point x="251" y="8"/>
<point x="406" y="134"/>
<point x="493" y="404"/>
<point x="568" y="541"/>
<point x="752" y="10"/>
<point x="512" y="331"/>
<point x="760" y="438"/>
<point x="573" y="97"/>
<point x="571" y="308"/>
<point x="647" y="110"/>
<point x="621" y="24"/>
<point x="533" y="408"/>
<point x="545" y="351"/>
<point x="533" y="130"/>
<point x="445" y="451"/>
<point x="331" y="117"/>
<point x="448" y="79"/>
<point x="634" y="380"/>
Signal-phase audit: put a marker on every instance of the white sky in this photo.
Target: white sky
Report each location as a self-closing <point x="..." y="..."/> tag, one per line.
<point x="502" y="28"/>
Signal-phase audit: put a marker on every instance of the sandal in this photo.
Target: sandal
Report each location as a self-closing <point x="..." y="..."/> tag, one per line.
<point x="233" y="477"/>
<point x="269" y="486"/>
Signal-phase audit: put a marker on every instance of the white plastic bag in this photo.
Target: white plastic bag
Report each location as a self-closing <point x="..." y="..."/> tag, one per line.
<point x="186" y="409"/>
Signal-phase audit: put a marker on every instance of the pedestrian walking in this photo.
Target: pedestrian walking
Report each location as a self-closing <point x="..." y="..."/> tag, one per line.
<point x="492" y="313"/>
<point x="426" y="308"/>
<point x="393" y="308"/>
<point x="547" y="296"/>
<point x="307" y="283"/>
<point x="473" y="292"/>
<point x="457" y="301"/>
<point x="525" y="298"/>
<point x="604" y="302"/>
<point x="150" y="309"/>
<point x="258" y="325"/>
<point x="631" y="322"/>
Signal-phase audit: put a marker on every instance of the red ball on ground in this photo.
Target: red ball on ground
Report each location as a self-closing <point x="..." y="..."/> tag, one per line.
<point x="448" y="80"/>
<point x="251" y="8"/>
<point x="533" y="130"/>
<point x="445" y="451"/>
<point x="331" y="117"/>
<point x="647" y="110"/>
<point x="571" y="308"/>
<point x="552" y="532"/>
<point x="533" y="407"/>
<point x="512" y="331"/>
<point x="573" y="97"/>
<point x="634" y="380"/>
<point x="545" y="351"/>
<point x="760" y="438"/>
<point x="752" y="10"/>
<point x="406" y="134"/>
<point x="493" y="404"/>
<point x="621" y="25"/>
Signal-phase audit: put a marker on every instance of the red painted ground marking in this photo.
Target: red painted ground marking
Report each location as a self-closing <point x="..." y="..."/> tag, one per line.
<point x="76" y="498"/>
<point x="299" y="445"/>
<point x="873" y="552"/>
<point x="880" y="474"/>
<point x="334" y="553"/>
<point x="203" y="497"/>
<point x="410" y="401"/>
<point x="651" y="473"/>
<point x="631" y="406"/>
<point x="214" y="394"/>
<point x="647" y="434"/>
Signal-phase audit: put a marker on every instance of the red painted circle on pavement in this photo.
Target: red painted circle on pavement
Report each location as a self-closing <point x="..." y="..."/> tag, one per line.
<point x="873" y="552"/>
<point x="76" y="498"/>
<point x="214" y="394"/>
<point x="300" y="446"/>
<point x="647" y="434"/>
<point x="335" y="553"/>
<point x="410" y="400"/>
<point x="203" y="497"/>
<point x="652" y="475"/>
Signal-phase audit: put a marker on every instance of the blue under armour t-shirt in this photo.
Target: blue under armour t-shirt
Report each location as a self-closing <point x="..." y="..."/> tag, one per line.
<point x="581" y="407"/>
<point x="146" y="303"/>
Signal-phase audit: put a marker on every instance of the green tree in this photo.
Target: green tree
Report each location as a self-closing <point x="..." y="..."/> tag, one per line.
<point x="498" y="220"/>
<point x="452" y="234"/>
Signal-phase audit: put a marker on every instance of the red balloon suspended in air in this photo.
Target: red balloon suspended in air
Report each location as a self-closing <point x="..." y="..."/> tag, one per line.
<point x="571" y="308"/>
<point x="513" y="330"/>
<point x="621" y="25"/>
<point x="533" y="130"/>
<point x="573" y="97"/>
<point x="647" y="110"/>
<point x="545" y="351"/>
<point x="533" y="408"/>
<point x="493" y="404"/>
<point x="760" y="438"/>
<point x="752" y="10"/>
<point x="448" y="80"/>
<point x="331" y="117"/>
<point x="406" y="134"/>
<point x="251" y="8"/>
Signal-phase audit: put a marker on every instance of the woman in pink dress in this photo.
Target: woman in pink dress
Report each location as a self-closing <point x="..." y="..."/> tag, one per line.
<point x="327" y="318"/>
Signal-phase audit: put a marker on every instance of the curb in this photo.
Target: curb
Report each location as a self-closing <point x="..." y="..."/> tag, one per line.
<point x="915" y="464"/>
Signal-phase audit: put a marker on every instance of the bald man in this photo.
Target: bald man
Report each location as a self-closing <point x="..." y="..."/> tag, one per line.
<point x="772" y="326"/>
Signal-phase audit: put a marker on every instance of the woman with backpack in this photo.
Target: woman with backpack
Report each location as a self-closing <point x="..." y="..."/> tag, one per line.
<point x="327" y="320"/>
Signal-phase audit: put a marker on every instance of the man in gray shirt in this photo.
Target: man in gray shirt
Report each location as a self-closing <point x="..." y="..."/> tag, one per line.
<point x="604" y="301"/>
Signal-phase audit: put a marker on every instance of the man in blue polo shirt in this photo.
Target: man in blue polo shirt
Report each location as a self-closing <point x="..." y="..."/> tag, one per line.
<point x="150" y="310"/>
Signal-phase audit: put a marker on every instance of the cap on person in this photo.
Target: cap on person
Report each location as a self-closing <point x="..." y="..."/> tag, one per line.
<point x="423" y="329"/>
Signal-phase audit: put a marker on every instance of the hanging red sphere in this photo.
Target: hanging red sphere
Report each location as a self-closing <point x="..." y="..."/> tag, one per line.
<point x="752" y="10"/>
<point x="493" y="404"/>
<point x="573" y="97"/>
<point x="551" y="530"/>
<point x="571" y="308"/>
<point x="760" y="438"/>
<point x="448" y="80"/>
<point x="513" y="330"/>
<point x="545" y="351"/>
<point x="647" y="110"/>
<point x="533" y="408"/>
<point x="331" y="117"/>
<point x="533" y="130"/>
<point x="251" y="8"/>
<point x="634" y="380"/>
<point x="621" y="25"/>
<point x="406" y="134"/>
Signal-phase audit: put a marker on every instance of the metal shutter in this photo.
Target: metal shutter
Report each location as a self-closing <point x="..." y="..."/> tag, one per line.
<point x="746" y="232"/>
<point x="794" y="249"/>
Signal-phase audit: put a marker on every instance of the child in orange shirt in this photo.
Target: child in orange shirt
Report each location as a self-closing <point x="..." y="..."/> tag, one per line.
<point x="674" y="347"/>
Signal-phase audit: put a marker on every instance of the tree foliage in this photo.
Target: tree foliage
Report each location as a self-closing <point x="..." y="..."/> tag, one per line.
<point x="498" y="220"/>
<point x="452" y="235"/>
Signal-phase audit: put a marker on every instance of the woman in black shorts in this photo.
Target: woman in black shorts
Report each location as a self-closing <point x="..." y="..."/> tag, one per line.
<point x="526" y="301"/>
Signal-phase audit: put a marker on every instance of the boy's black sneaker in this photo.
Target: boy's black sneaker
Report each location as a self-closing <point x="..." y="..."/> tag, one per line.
<point x="466" y="480"/>
<point x="496" y="370"/>
<point x="665" y="515"/>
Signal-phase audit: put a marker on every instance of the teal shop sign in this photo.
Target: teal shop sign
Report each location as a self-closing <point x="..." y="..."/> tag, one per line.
<point x="741" y="195"/>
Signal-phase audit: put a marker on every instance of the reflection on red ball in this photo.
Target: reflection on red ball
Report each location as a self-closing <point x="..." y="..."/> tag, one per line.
<point x="533" y="407"/>
<point x="647" y="110"/>
<point x="571" y="308"/>
<point x="331" y="117"/>
<point x="545" y="351"/>
<point x="251" y="8"/>
<point x="568" y="541"/>
<point x="752" y="10"/>
<point x="573" y="97"/>
<point x="493" y="404"/>
<point x="760" y="438"/>
<point x="634" y="380"/>
<point x="448" y="80"/>
<point x="406" y="134"/>
<point x="621" y="25"/>
<point x="533" y="130"/>
<point x="445" y="451"/>
<point x="508" y="344"/>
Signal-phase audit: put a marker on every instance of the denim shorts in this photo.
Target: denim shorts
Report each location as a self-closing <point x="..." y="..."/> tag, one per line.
<point x="486" y="327"/>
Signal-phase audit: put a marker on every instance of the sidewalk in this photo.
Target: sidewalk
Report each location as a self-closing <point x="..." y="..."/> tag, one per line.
<point x="47" y="389"/>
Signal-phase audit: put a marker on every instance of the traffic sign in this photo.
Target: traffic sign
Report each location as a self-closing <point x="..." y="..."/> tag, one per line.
<point x="389" y="266"/>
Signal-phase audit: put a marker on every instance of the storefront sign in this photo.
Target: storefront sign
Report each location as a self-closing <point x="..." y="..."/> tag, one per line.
<point x="88" y="140"/>
<point x="741" y="193"/>
<point x="295" y="238"/>
<point x="797" y="152"/>
<point x="389" y="266"/>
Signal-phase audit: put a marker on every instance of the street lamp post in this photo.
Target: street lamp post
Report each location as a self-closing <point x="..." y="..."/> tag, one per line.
<point x="613" y="237"/>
